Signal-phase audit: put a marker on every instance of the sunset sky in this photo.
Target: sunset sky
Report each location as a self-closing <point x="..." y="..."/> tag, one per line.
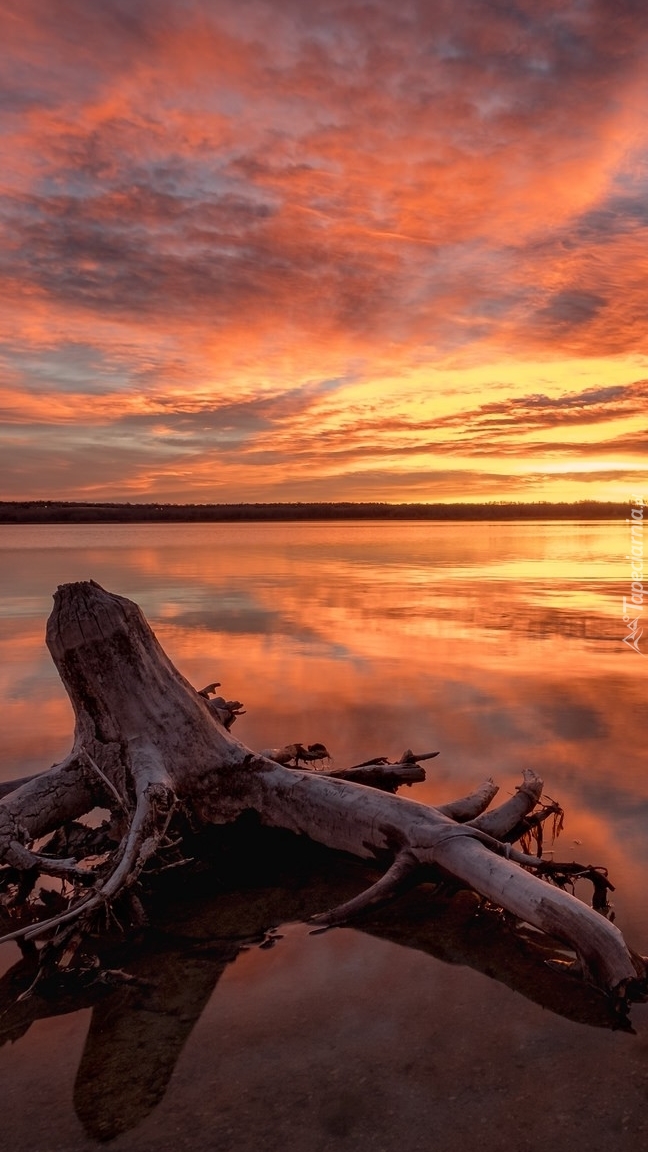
<point x="323" y="250"/>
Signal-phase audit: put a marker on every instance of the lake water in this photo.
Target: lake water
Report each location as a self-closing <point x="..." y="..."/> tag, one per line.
<point x="500" y="645"/>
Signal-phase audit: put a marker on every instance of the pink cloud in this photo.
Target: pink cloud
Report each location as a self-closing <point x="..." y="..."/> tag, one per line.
<point x="235" y="200"/>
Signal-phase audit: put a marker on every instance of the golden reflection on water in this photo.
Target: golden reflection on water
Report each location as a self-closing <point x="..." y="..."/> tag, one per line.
<point x="498" y="644"/>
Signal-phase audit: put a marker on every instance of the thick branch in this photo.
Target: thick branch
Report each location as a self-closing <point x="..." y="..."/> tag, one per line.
<point x="396" y="880"/>
<point x="341" y="816"/>
<point x="375" y="773"/>
<point x="386" y="777"/>
<point x="46" y="801"/>
<point x="9" y="786"/>
<point x="499" y="821"/>
<point x="468" y="807"/>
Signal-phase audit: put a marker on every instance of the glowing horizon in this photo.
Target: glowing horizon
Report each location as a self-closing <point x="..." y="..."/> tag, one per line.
<point x="263" y="252"/>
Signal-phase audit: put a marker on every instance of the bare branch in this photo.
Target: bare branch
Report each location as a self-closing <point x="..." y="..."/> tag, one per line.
<point x="109" y="784"/>
<point x="397" y="879"/>
<point x="9" y="786"/>
<point x="470" y="806"/>
<point x="499" y="821"/>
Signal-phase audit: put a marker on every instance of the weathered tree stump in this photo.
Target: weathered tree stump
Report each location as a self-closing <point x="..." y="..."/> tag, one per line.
<point x="160" y="757"/>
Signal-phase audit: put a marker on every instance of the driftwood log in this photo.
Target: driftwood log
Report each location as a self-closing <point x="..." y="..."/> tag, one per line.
<point x="160" y="757"/>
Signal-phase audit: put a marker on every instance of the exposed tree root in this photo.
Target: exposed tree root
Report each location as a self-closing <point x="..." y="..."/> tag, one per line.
<point x="397" y="879"/>
<point x="160" y="757"/>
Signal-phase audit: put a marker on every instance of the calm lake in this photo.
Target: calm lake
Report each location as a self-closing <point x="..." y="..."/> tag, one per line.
<point x="500" y="645"/>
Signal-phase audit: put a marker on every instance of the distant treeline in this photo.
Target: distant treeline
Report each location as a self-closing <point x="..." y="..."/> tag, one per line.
<point x="80" y="512"/>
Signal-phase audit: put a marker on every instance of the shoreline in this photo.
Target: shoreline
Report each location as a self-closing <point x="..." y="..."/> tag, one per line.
<point x="106" y="512"/>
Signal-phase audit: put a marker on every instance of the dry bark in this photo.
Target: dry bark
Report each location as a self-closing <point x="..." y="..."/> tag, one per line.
<point x="160" y="757"/>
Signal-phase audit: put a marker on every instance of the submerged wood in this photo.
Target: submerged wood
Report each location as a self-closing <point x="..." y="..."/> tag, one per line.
<point x="160" y="757"/>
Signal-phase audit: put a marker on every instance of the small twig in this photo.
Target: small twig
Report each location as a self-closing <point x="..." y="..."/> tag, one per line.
<point x="166" y="867"/>
<point x="29" y="992"/>
<point x="109" y="784"/>
<point x="113" y="915"/>
<point x="64" y="869"/>
<point x="127" y="859"/>
<point x="209" y="689"/>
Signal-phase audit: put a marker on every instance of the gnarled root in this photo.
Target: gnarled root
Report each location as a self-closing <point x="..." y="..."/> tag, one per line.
<point x="148" y="746"/>
<point x="145" y="831"/>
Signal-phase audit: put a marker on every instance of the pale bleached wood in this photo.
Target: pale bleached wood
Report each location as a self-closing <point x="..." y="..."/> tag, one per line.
<point x="499" y="821"/>
<point x="468" y="807"/>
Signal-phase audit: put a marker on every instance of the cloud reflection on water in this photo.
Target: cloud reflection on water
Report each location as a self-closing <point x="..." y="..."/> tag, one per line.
<point x="498" y="644"/>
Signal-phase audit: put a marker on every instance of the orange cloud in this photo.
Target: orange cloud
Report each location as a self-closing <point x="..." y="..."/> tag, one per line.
<point x="208" y="206"/>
